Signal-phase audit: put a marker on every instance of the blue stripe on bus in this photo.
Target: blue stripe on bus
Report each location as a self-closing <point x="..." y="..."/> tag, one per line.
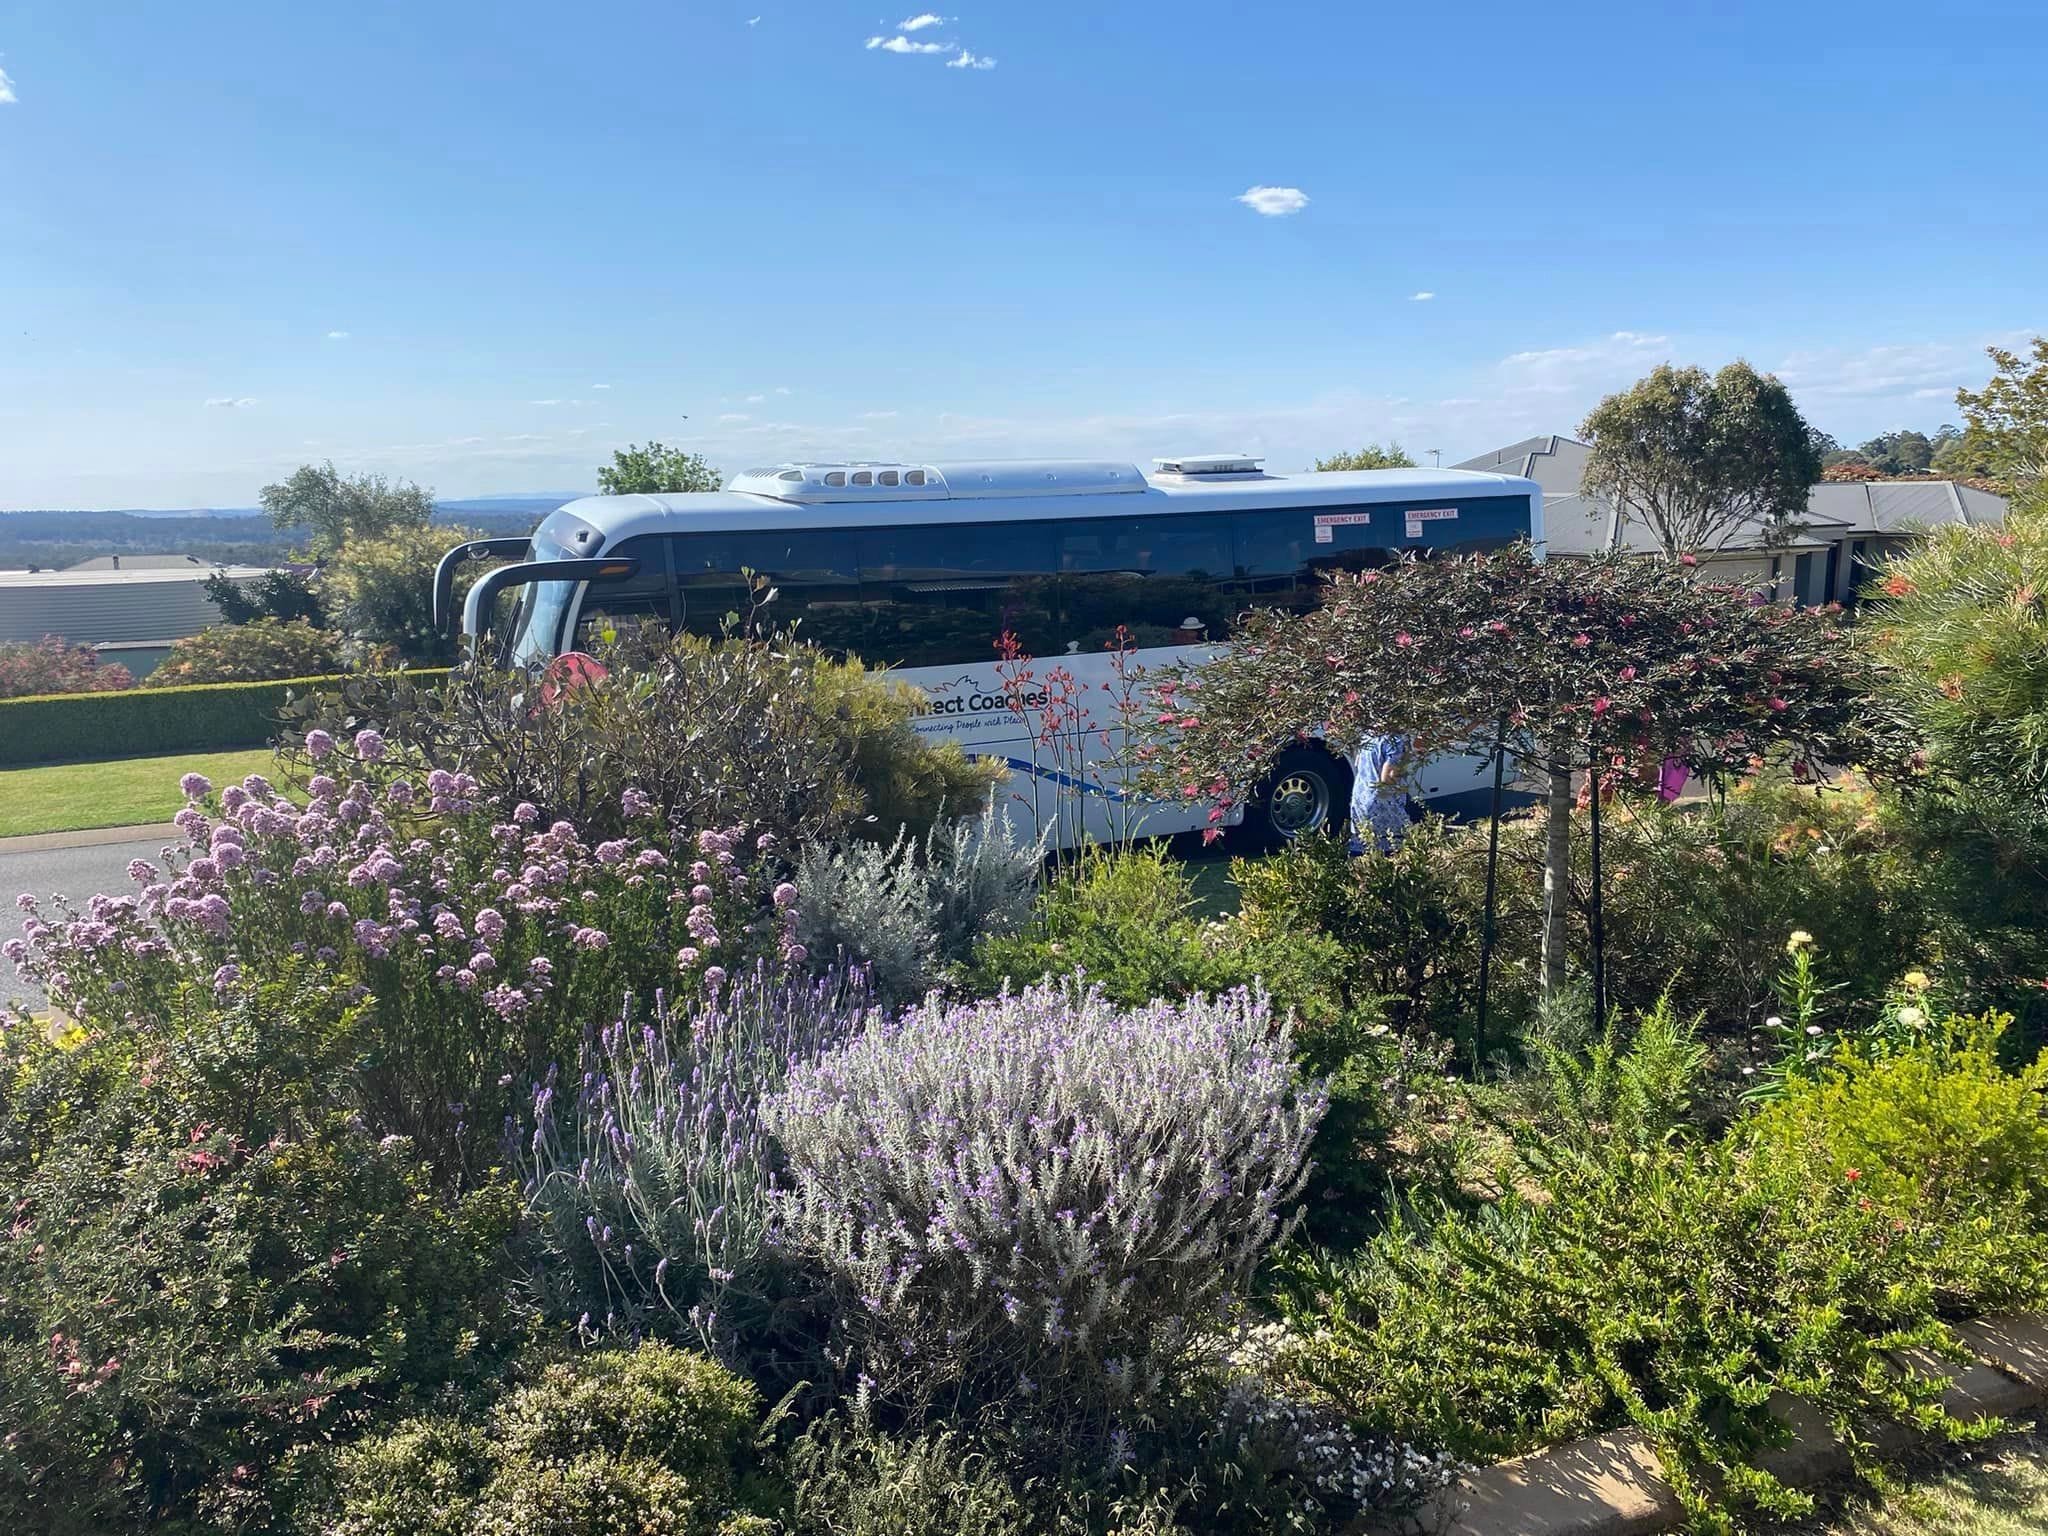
<point x="1064" y="780"/>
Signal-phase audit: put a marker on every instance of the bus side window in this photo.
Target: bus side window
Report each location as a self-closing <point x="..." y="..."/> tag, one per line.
<point x="1282" y="564"/>
<point x="945" y="594"/>
<point x="810" y="570"/>
<point x="613" y="607"/>
<point x="1160" y="578"/>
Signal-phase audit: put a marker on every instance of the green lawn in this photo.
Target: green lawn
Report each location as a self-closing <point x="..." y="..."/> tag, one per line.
<point x="2001" y="1490"/>
<point x="70" y="797"/>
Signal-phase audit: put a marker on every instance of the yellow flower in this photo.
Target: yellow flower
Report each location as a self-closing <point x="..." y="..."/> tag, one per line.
<point x="1800" y="939"/>
<point x="1917" y="980"/>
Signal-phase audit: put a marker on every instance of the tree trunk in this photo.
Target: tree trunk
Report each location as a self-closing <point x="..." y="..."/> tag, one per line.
<point x="1557" y="866"/>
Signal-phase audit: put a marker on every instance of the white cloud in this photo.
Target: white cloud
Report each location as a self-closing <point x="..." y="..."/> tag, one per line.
<point x="1274" y="202"/>
<point x="753" y="21"/>
<point x="900" y="44"/>
<point x="966" y="60"/>
<point x="878" y="415"/>
<point x="230" y="402"/>
<point x="543" y="402"/>
<point x="920" y="22"/>
<point x="1924" y="370"/>
<point x="600" y="386"/>
<point x="1421" y="298"/>
<point x="6" y="89"/>
<point x="1609" y="363"/>
<point x="735" y="416"/>
<point x="782" y="389"/>
<point x="337" y="335"/>
<point x="754" y="400"/>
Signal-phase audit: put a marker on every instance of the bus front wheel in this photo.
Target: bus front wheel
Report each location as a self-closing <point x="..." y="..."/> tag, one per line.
<point x="1309" y="790"/>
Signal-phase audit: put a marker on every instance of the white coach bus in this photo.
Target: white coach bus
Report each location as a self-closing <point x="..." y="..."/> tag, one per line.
<point x="924" y="568"/>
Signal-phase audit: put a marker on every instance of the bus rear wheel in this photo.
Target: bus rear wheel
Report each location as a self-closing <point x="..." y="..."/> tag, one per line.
<point x="1308" y="791"/>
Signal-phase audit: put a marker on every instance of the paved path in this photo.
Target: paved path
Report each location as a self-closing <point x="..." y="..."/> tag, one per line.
<point x="83" y="866"/>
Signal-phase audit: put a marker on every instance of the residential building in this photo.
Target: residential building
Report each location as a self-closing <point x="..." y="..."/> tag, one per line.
<point x="133" y="614"/>
<point x="1850" y="527"/>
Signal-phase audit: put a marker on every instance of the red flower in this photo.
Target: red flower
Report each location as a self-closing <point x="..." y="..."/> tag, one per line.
<point x="1628" y="674"/>
<point x="1404" y="639"/>
<point x="1688" y="559"/>
<point x="1777" y="705"/>
<point x="1599" y="707"/>
<point x="1581" y="641"/>
<point x="1853" y="1174"/>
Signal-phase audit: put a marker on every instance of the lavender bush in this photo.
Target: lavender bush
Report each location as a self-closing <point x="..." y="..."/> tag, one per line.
<point x="1042" y="1195"/>
<point x="650" y="1183"/>
<point x="476" y="946"/>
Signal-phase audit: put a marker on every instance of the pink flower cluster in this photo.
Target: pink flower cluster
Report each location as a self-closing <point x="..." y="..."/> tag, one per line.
<point x="411" y="889"/>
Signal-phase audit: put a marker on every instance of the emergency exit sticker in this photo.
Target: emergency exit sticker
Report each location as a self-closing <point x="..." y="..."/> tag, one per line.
<point x="1417" y="516"/>
<point x="1327" y="524"/>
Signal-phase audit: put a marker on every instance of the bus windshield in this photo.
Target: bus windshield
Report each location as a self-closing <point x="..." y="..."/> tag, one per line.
<point x="543" y="607"/>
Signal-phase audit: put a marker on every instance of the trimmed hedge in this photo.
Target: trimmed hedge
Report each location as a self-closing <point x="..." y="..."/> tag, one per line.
<point x="146" y="722"/>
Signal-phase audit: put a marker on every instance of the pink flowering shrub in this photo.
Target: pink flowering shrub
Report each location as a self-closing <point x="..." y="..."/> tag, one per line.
<point x="478" y="946"/>
<point x="1041" y="1197"/>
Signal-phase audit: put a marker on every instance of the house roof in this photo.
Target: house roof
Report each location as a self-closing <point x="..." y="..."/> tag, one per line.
<point x="1577" y="524"/>
<point x="142" y="563"/>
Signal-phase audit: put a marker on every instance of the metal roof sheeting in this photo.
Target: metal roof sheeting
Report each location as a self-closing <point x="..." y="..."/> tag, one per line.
<point x="89" y="607"/>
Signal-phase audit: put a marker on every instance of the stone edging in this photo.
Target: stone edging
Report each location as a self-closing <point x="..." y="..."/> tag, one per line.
<point x="1613" y="1484"/>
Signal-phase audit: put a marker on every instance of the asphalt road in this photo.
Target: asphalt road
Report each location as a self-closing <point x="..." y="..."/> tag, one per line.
<point x="74" y="872"/>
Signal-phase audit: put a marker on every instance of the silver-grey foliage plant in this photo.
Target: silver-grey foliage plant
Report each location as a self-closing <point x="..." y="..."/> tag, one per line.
<point x="1041" y="1197"/>
<point x="648" y="1175"/>
<point x="909" y="909"/>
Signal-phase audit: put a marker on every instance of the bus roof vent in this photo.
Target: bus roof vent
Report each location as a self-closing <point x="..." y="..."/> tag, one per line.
<point x="990" y="480"/>
<point x="1190" y="464"/>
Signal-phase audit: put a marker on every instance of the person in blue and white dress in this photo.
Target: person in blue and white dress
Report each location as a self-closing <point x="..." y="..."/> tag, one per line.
<point x="1379" y="794"/>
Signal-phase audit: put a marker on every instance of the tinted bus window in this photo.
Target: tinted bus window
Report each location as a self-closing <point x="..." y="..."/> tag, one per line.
<point x="612" y="607"/>
<point x="1161" y="579"/>
<point x="813" y="572"/>
<point x="944" y="594"/>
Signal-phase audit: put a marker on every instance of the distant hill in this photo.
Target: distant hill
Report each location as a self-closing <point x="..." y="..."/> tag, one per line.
<point x="225" y="535"/>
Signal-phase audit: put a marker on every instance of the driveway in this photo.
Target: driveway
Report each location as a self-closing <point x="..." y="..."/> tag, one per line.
<point x="73" y="871"/>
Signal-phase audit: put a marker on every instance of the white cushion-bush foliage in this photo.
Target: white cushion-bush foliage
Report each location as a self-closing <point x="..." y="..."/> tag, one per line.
<point x="1041" y="1192"/>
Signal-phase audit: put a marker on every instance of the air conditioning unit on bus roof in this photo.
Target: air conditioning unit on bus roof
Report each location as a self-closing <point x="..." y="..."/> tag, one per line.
<point x="1211" y="464"/>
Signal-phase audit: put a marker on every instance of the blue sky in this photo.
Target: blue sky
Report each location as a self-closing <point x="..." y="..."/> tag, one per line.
<point x="480" y="245"/>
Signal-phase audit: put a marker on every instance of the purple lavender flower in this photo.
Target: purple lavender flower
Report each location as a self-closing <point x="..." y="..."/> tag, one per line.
<point x="369" y="745"/>
<point x="195" y="786"/>
<point x="318" y="744"/>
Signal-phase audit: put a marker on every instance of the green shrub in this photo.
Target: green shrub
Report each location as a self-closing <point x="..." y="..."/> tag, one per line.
<point x="1407" y="923"/>
<point x="649" y="1441"/>
<point x="769" y="733"/>
<point x="257" y="651"/>
<point x="199" y="1281"/>
<point x="1636" y="1275"/>
<point x="1127" y="919"/>
<point x="136" y="722"/>
<point x="847" y="1478"/>
<point x="1943" y="1141"/>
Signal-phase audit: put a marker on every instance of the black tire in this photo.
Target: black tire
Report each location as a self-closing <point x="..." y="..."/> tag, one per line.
<point x="1308" y="791"/>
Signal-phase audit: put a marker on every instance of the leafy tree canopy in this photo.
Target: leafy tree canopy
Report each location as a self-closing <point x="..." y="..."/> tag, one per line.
<point x="380" y="591"/>
<point x="1371" y="456"/>
<point x="284" y="595"/>
<point x="332" y="508"/>
<point x="2006" y="422"/>
<point x="1700" y="460"/>
<point x="656" y="470"/>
